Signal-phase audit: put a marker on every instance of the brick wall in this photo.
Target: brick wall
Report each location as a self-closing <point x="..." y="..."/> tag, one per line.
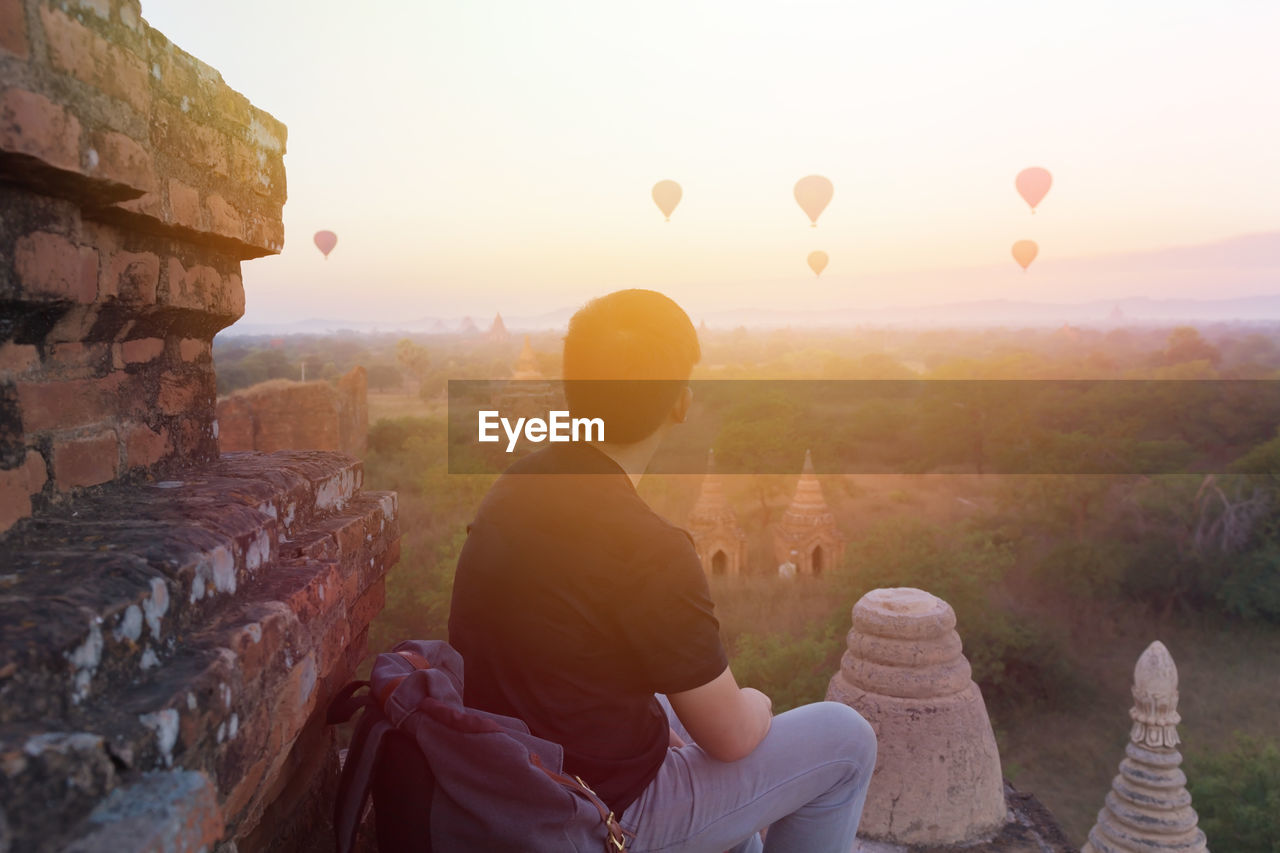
<point x="285" y="415"/>
<point x="133" y="182"/>
<point x="172" y="622"/>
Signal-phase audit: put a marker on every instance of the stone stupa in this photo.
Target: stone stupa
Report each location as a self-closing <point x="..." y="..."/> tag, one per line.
<point x="1148" y="808"/>
<point x="937" y="780"/>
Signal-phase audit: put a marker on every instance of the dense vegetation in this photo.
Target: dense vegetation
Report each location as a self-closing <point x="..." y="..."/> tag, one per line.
<point x="1058" y="579"/>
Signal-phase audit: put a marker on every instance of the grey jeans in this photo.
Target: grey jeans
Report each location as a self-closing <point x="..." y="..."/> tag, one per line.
<point x="806" y="781"/>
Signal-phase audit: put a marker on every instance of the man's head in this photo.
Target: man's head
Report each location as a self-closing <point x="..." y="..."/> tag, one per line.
<point x="627" y="360"/>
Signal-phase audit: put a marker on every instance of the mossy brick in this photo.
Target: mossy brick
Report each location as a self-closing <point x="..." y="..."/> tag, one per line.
<point x="77" y="50"/>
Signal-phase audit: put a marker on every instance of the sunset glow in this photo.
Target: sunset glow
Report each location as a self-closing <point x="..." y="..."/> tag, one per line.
<point x="483" y="156"/>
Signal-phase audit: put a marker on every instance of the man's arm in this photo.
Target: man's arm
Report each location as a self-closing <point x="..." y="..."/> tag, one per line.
<point x="726" y="720"/>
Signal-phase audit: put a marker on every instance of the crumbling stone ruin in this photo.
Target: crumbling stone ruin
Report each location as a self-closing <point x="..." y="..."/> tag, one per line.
<point x="172" y="622"/>
<point x="284" y="415"/>
<point x="937" y="782"/>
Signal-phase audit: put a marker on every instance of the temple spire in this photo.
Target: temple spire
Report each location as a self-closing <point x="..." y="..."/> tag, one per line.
<point x="719" y="540"/>
<point x="527" y="363"/>
<point x="1149" y="807"/>
<point x="807" y="540"/>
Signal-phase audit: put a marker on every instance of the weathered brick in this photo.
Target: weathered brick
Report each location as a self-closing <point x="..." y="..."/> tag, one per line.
<point x="82" y="53"/>
<point x="122" y="159"/>
<point x="85" y="461"/>
<point x="184" y="203"/>
<point x="147" y="204"/>
<point x="203" y="288"/>
<point x="190" y="349"/>
<point x="369" y="604"/>
<point x="76" y="359"/>
<point x="101" y="8"/>
<point x="51" y="265"/>
<point x="70" y="403"/>
<point x="32" y="124"/>
<point x="208" y="149"/>
<point x="249" y="167"/>
<point x="133" y="276"/>
<point x="141" y="349"/>
<point x="144" y="446"/>
<point x="177" y="395"/>
<point x="17" y="359"/>
<point x="17" y="485"/>
<point x="223" y="218"/>
<point x="13" y="28"/>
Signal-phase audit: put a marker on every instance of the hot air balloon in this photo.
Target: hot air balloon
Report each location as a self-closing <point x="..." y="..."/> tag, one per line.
<point x="1032" y="185"/>
<point x="325" y="241"/>
<point x="667" y="194"/>
<point x="813" y="194"/>
<point x="818" y="262"/>
<point x="1024" y="252"/>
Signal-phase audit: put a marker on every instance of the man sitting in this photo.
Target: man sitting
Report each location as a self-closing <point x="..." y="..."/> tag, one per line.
<point x="584" y="613"/>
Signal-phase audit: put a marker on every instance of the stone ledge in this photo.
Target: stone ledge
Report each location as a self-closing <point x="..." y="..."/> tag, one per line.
<point x="99" y="108"/>
<point x="1030" y="828"/>
<point x="100" y="683"/>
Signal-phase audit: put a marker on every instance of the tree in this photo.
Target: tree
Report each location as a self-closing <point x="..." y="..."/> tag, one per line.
<point x="415" y="360"/>
<point x="1186" y="344"/>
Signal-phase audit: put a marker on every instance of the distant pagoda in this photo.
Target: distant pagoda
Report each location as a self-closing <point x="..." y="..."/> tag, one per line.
<point x="807" y="540"/>
<point x="721" y="544"/>
<point x="527" y="393"/>
<point x="498" y="330"/>
<point x="526" y="363"/>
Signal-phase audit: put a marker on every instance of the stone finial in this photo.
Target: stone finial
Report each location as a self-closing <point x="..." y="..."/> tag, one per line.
<point x="937" y="779"/>
<point x="1155" y="699"/>
<point x="1149" y="807"/>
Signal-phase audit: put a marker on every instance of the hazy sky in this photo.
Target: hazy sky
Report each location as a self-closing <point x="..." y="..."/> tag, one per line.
<point x="477" y="156"/>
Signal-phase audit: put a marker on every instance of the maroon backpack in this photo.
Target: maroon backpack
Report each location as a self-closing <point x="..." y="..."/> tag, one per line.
<point x="449" y="778"/>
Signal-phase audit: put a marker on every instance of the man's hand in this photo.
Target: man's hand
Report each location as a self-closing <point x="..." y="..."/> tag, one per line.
<point x="726" y="720"/>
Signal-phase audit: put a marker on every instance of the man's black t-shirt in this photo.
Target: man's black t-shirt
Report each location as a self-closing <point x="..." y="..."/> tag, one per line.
<point x="573" y="604"/>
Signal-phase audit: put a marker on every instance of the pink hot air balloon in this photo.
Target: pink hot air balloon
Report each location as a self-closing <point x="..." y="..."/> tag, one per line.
<point x="666" y="195"/>
<point x="325" y="241"/>
<point x="1024" y="252"/>
<point x="813" y="194"/>
<point x="818" y="262"/>
<point x="1032" y="185"/>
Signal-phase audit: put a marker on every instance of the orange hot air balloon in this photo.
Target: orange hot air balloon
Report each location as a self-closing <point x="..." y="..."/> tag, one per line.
<point x="325" y="241"/>
<point x="667" y="194"/>
<point x="1033" y="184"/>
<point x="818" y="262"/>
<point x="813" y="194"/>
<point x="1024" y="252"/>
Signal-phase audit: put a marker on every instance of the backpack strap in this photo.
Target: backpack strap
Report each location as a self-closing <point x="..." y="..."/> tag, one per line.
<point x="362" y="755"/>
<point x="617" y="838"/>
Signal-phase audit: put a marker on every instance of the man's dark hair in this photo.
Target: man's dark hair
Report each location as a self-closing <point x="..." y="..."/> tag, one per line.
<point x="627" y="357"/>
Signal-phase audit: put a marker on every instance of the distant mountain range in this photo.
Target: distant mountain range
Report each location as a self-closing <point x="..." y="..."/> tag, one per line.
<point x="1242" y="264"/>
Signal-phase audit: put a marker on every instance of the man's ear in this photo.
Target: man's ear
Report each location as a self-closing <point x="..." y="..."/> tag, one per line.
<point x="680" y="411"/>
